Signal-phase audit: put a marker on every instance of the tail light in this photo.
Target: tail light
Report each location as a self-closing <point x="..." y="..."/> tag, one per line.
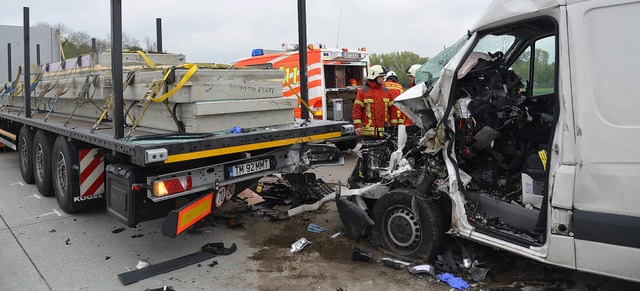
<point x="171" y="186"/>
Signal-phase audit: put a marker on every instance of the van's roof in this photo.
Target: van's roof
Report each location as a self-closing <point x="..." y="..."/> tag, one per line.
<point x="500" y="10"/>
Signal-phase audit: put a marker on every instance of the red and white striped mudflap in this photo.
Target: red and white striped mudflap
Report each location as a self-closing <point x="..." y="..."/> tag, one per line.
<point x="91" y="172"/>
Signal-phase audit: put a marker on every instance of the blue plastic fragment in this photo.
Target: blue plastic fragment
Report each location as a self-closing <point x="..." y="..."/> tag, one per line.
<point x="454" y="282"/>
<point x="315" y="228"/>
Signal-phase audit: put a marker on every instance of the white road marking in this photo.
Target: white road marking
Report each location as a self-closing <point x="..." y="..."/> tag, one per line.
<point x="17" y="183"/>
<point x="54" y="212"/>
<point x="34" y="195"/>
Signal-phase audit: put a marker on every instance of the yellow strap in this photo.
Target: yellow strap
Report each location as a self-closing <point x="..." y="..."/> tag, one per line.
<point x="543" y="158"/>
<point x="301" y="100"/>
<point x="192" y="70"/>
<point x="147" y="59"/>
<point x="61" y="49"/>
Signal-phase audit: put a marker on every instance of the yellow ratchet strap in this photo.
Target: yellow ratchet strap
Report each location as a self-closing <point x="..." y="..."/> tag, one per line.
<point x="192" y="70"/>
<point x="301" y="100"/>
<point x="147" y="59"/>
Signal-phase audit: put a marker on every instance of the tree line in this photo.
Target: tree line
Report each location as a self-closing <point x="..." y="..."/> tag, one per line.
<point x="75" y="43"/>
<point x="398" y="62"/>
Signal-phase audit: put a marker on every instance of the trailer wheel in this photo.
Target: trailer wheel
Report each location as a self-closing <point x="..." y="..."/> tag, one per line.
<point x="42" y="163"/>
<point x="25" y="154"/>
<point x="66" y="183"/>
<point x="398" y="228"/>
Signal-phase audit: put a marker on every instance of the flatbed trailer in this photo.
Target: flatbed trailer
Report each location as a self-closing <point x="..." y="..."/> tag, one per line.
<point x="153" y="173"/>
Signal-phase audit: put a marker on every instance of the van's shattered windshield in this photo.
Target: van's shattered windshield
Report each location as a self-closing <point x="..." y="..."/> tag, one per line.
<point x="430" y="72"/>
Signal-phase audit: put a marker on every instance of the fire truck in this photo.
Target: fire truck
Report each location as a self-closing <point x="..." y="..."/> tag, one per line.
<point x="335" y="75"/>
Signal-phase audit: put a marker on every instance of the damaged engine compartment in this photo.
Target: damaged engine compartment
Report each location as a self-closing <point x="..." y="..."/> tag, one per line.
<point x="495" y="134"/>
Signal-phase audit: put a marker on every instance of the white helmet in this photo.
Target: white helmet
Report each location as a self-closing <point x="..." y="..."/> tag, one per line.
<point x="411" y="71"/>
<point x="391" y="74"/>
<point x="376" y="71"/>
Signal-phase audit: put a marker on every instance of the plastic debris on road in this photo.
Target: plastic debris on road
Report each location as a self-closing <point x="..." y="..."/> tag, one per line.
<point x="362" y="255"/>
<point x="142" y="264"/>
<point x="393" y="263"/>
<point x="337" y="234"/>
<point x="423" y="269"/>
<point x="315" y="228"/>
<point x="299" y="245"/>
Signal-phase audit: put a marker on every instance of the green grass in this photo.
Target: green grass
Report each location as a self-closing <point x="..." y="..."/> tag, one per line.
<point x="542" y="91"/>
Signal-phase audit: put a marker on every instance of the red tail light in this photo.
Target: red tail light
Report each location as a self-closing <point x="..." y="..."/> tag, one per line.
<point x="171" y="186"/>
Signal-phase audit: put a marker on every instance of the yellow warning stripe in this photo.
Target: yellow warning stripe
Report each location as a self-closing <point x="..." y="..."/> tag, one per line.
<point x="248" y="147"/>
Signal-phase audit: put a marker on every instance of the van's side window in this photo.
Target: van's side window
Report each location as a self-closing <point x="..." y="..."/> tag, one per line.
<point x="543" y="62"/>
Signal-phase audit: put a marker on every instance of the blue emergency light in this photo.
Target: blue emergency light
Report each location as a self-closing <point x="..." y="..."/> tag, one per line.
<point x="257" y="52"/>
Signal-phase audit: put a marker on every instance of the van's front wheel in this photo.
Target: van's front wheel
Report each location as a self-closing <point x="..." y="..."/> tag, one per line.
<point x="407" y="225"/>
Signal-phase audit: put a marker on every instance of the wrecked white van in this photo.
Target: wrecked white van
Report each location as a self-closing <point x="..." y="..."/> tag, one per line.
<point x="527" y="141"/>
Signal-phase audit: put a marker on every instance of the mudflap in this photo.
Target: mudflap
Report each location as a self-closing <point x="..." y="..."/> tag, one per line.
<point x="355" y="220"/>
<point x="177" y="221"/>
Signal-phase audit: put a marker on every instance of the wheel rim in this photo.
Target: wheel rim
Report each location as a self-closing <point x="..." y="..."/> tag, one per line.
<point x="61" y="175"/>
<point x="23" y="154"/>
<point x="403" y="230"/>
<point x="39" y="162"/>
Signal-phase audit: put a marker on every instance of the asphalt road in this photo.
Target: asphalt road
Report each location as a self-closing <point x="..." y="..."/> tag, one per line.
<point x="42" y="248"/>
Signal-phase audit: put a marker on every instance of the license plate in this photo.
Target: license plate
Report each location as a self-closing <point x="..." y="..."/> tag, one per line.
<point x="351" y="55"/>
<point x="249" y="167"/>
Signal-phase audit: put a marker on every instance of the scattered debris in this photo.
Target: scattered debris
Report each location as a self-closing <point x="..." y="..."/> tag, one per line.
<point x="137" y="235"/>
<point x="252" y="198"/>
<point x="362" y="255"/>
<point x="423" y="269"/>
<point x="163" y="288"/>
<point x="213" y="264"/>
<point x="199" y="265"/>
<point x="393" y="263"/>
<point x="142" y="264"/>
<point x="455" y="282"/>
<point x="299" y="245"/>
<point x="355" y="220"/>
<point x="107" y="258"/>
<point x="206" y="252"/>
<point x="118" y="230"/>
<point x="477" y="273"/>
<point x="337" y="234"/>
<point x="68" y="241"/>
<point x="315" y="228"/>
<point x="52" y="231"/>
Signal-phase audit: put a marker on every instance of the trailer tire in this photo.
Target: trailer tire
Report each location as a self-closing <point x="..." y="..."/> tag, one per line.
<point x="25" y="154"/>
<point x="66" y="182"/>
<point x="42" y="163"/>
<point x="399" y="230"/>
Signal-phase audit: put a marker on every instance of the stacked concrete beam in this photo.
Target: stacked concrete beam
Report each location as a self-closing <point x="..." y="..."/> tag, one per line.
<point x="212" y="99"/>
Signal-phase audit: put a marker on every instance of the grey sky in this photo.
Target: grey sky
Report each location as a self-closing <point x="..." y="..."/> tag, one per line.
<point x="223" y="31"/>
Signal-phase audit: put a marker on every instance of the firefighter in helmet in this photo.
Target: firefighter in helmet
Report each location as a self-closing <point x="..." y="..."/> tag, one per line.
<point x="411" y="72"/>
<point x="397" y="117"/>
<point x="371" y="110"/>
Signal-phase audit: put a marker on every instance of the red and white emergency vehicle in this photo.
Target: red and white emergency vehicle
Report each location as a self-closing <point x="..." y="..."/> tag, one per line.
<point x="335" y="75"/>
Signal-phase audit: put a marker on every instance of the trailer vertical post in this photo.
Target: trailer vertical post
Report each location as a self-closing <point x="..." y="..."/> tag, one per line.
<point x="38" y="54"/>
<point x="94" y="46"/>
<point x="116" y="68"/>
<point x="27" y="64"/>
<point x="302" y="48"/>
<point x="159" y="35"/>
<point x="9" y="61"/>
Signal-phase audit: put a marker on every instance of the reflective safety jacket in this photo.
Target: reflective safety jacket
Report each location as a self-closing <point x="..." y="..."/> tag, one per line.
<point x="396" y="116"/>
<point x="371" y="110"/>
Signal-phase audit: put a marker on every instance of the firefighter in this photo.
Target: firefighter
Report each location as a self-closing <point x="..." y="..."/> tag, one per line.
<point x="371" y="108"/>
<point x="411" y="72"/>
<point x="397" y="117"/>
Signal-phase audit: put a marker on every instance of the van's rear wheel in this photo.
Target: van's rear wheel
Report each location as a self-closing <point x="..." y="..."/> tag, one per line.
<point x="42" y="163"/>
<point x="403" y="231"/>
<point x="25" y="154"/>
<point x="65" y="178"/>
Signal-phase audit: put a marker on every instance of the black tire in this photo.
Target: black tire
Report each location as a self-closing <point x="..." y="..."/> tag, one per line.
<point x="25" y="154"/>
<point x="66" y="181"/>
<point x="400" y="231"/>
<point x="42" y="163"/>
<point x="346" y="145"/>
